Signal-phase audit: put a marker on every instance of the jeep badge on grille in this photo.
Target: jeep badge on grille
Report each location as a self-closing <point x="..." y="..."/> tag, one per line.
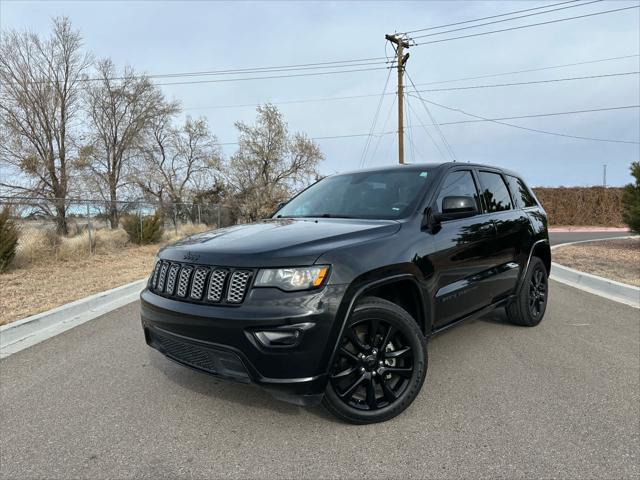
<point x="190" y="257"/>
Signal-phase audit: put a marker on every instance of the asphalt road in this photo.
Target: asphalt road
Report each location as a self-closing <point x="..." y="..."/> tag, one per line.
<point x="559" y="400"/>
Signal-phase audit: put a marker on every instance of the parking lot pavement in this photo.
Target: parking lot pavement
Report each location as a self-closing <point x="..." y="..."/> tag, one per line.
<point x="560" y="400"/>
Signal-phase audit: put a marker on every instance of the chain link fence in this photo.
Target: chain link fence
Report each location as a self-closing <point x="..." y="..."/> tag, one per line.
<point x="86" y="222"/>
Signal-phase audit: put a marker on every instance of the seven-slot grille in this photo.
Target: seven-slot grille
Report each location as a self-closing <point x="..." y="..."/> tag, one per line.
<point x="199" y="283"/>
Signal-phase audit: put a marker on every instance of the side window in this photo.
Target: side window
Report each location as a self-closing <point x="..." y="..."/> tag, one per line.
<point x="521" y="193"/>
<point x="457" y="184"/>
<point x="495" y="192"/>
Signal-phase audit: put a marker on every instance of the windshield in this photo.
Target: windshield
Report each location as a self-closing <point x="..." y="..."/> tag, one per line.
<point x="377" y="195"/>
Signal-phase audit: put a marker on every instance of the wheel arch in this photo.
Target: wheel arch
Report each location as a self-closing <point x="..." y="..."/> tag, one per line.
<point x="541" y="249"/>
<point x="392" y="284"/>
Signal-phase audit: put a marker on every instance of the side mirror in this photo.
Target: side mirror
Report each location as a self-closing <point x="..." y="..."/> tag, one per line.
<point x="457" y="207"/>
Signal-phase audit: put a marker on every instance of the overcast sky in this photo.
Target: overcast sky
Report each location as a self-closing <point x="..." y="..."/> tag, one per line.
<point x="167" y="37"/>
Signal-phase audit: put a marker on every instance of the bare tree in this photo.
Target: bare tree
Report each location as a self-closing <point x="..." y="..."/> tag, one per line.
<point x="120" y="109"/>
<point x="178" y="163"/>
<point x="269" y="164"/>
<point x="39" y="100"/>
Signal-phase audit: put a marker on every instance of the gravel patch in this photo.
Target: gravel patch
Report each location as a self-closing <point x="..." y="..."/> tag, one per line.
<point x="617" y="260"/>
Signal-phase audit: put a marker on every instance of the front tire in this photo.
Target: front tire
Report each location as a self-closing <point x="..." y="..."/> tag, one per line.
<point x="380" y="364"/>
<point x="530" y="304"/>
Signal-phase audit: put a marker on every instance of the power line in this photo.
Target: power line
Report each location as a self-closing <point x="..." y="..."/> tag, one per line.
<point x="551" y="67"/>
<point x="375" y="120"/>
<point x="552" y="114"/>
<point x="527" y="26"/>
<point x="482" y="119"/>
<point x="438" y="129"/>
<point x="256" y="71"/>
<point x="287" y="102"/>
<point x="194" y="82"/>
<point x="424" y="127"/>
<point x="410" y="115"/>
<point x="487" y="18"/>
<point x="532" y="82"/>
<point x="501" y="122"/>
<point x="410" y="133"/>
<point x="299" y="66"/>
<point x="506" y="19"/>
<point x="248" y="70"/>
<point x="349" y="97"/>
<point x="384" y="126"/>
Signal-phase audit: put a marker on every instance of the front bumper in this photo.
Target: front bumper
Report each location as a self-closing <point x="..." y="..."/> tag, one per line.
<point x="220" y="340"/>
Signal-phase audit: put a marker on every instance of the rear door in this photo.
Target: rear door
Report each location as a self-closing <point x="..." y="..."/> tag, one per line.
<point x="460" y="251"/>
<point x="511" y="224"/>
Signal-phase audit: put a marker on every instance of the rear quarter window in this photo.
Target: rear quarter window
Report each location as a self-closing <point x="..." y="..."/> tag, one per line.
<point x="495" y="192"/>
<point x="521" y="193"/>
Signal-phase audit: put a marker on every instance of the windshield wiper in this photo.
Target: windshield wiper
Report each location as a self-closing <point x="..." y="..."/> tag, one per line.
<point x="322" y="215"/>
<point x="331" y="215"/>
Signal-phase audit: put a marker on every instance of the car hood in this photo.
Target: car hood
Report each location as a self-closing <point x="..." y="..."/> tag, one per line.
<point x="276" y="242"/>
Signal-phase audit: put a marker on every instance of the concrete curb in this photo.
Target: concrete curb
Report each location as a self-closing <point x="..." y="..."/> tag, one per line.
<point x="29" y="331"/>
<point x="616" y="291"/>
<point x="587" y="229"/>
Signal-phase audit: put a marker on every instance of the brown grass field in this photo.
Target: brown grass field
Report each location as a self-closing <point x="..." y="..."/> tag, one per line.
<point x="49" y="271"/>
<point x="41" y="286"/>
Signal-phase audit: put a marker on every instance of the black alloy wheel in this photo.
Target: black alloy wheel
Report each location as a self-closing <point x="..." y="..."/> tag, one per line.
<point x="538" y="291"/>
<point x="530" y="303"/>
<point x="374" y="365"/>
<point x="379" y="366"/>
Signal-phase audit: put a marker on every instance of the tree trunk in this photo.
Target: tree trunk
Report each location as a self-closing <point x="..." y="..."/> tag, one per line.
<point x="62" y="228"/>
<point x="113" y="210"/>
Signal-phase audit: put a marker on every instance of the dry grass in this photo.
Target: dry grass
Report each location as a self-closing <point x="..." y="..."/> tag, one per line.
<point x="617" y="260"/>
<point x="170" y="234"/>
<point x="41" y="286"/>
<point x="49" y="271"/>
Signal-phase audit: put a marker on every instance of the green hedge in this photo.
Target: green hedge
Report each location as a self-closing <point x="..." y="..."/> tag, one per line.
<point x="631" y="200"/>
<point x="143" y="230"/>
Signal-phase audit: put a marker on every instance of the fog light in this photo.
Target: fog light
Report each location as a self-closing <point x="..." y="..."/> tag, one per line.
<point x="278" y="338"/>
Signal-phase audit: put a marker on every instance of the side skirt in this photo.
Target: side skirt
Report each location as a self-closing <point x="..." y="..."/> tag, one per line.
<point x="474" y="315"/>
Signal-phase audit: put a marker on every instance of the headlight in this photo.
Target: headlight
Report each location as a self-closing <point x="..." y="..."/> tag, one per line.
<point x="292" y="279"/>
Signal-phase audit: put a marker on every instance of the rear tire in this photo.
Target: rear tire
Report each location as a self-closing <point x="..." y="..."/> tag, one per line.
<point x="530" y="304"/>
<point x="380" y="364"/>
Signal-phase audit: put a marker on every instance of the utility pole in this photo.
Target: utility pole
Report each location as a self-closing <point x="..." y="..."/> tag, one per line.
<point x="604" y="176"/>
<point x="401" y="44"/>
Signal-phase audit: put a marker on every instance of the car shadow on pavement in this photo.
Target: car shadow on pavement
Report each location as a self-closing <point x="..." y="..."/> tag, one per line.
<point x="498" y="316"/>
<point x="217" y="388"/>
<point x="252" y="396"/>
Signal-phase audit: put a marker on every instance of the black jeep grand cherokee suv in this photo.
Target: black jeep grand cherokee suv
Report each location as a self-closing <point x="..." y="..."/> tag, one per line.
<point x="334" y="297"/>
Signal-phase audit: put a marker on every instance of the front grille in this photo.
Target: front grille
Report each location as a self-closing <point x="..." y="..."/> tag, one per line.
<point x="154" y="275"/>
<point x="200" y="284"/>
<point x="197" y="355"/>
<point x="163" y="276"/>
<point x="171" y="279"/>
<point x="183" y="283"/>
<point x="237" y="286"/>
<point x="216" y="285"/>
<point x="197" y="285"/>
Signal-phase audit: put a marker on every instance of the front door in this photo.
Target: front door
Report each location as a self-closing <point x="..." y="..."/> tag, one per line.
<point x="462" y="254"/>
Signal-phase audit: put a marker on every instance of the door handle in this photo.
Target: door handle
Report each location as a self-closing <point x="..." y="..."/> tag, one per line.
<point x="489" y="228"/>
